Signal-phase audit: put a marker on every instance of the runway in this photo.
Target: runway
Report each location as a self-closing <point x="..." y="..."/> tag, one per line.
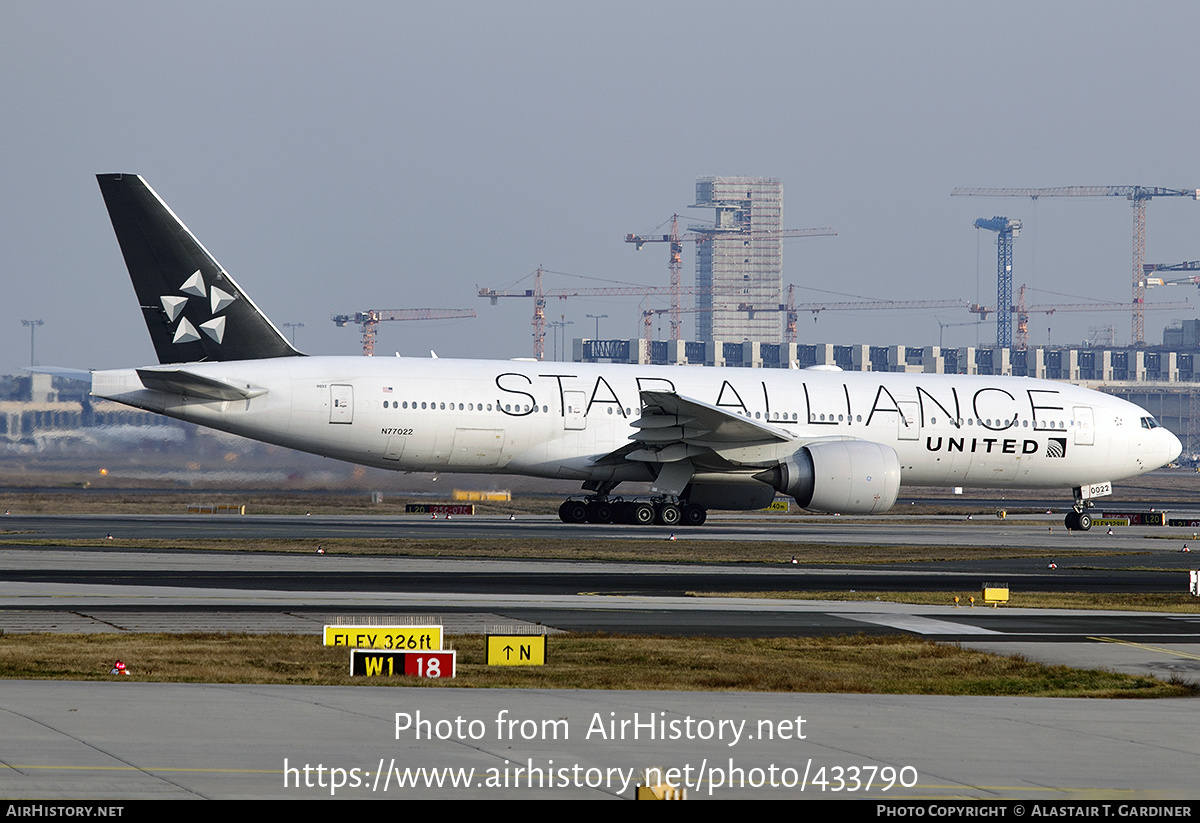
<point x="61" y="737"/>
<point x="1015" y="531"/>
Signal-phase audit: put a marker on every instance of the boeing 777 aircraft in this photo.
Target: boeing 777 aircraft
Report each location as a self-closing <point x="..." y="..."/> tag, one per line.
<point x="719" y="438"/>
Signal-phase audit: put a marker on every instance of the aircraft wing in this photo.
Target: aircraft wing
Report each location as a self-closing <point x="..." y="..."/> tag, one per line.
<point x="182" y="381"/>
<point x="686" y="437"/>
<point x="673" y="428"/>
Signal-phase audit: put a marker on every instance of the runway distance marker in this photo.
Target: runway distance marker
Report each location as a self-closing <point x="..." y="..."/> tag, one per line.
<point x="429" y="665"/>
<point x="439" y="508"/>
<point x="1135" y="518"/>
<point x="516" y="650"/>
<point x="398" y="638"/>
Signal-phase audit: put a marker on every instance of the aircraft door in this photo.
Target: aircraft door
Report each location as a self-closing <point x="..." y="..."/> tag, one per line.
<point x="574" y="406"/>
<point x="341" y="403"/>
<point x="1085" y="426"/>
<point x="476" y="447"/>
<point x="910" y="420"/>
<point x="395" y="447"/>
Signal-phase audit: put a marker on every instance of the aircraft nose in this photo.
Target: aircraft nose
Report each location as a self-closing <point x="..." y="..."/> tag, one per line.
<point x="1174" y="447"/>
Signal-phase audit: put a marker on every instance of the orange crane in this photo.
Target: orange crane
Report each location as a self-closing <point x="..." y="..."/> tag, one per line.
<point x="697" y="236"/>
<point x="648" y="316"/>
<point x="1139" y="196"/>
<point x="370" y="319"/>
<point x="1021" y="340"/>
<point x="540" y="295"/>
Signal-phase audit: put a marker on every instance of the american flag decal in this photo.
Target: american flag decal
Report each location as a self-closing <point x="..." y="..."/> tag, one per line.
<point x="387" y="389"/>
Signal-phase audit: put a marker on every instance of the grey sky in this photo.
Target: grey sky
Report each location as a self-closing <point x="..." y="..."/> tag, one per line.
<point x="392" y="155"/>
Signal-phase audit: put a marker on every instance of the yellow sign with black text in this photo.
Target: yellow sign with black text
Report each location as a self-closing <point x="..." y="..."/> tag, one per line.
<point x="387" y="638"/>
<point x="516" y="650"/>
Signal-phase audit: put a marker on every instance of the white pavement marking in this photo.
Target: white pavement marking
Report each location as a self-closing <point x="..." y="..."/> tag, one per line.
<point x="918" y="625"/>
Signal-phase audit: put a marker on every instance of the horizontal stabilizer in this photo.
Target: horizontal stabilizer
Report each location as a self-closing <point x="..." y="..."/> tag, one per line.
<point x="82" y="375"/>
<point x="190" y="384"/>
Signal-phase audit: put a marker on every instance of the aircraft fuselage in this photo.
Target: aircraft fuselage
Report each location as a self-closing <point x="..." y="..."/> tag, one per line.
<point x="558" y="419"/>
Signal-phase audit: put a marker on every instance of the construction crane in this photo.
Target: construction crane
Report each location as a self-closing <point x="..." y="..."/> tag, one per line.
<point x="1139" y="196"/>
<point x="370" y="319"/>
<point x="943" y="325"/>
<point x="793" y="309"/>
<point x="703" y="235"/>
<point x="1194" y="280"/>
<point x="540" y="295"/>
<point x="1022" y="312"/>
<point x="648" y="316"/>
<point x="1005" y="230"/>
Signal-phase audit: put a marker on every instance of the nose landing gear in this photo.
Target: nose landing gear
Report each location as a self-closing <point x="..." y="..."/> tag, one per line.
<point x="1078" y="521"/>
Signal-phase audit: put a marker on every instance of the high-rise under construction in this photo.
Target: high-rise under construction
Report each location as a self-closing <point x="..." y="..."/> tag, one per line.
<point x="742" y="261"/>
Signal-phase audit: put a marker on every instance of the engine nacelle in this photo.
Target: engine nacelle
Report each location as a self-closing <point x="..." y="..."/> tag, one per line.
<point x="849" y="476"/>
<point x="730" y="492"/>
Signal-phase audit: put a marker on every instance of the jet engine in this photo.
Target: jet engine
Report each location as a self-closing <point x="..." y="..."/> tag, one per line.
<point x="848" y="476"/>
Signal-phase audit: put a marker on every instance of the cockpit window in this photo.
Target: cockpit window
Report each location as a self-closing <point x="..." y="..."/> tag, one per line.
<point x="1149" y="423"/>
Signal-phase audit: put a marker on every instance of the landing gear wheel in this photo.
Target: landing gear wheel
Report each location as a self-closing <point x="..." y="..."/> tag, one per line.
<point x="1078" y="521"/>
<point x="641" y="514"/>
<point x="599" y="512"/>
<point x="669" y="514"/>
<point x="694" y="515"/>
<point x="573" y="511"/>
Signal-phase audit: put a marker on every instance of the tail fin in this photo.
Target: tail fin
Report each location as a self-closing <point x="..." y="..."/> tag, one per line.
<point x="193" y="308"/>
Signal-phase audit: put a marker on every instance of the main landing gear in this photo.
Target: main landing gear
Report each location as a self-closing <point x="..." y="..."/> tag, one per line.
<point x="638" y="512"/>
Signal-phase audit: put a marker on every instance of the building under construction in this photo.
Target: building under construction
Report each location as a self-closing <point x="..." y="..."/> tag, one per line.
<point x="741" y="261"/>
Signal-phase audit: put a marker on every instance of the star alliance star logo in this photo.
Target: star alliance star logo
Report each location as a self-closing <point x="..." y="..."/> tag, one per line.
<point x="195" y="286"/>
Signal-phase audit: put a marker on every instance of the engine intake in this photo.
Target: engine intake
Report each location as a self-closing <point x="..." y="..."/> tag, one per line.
<point x="850" y="476"/>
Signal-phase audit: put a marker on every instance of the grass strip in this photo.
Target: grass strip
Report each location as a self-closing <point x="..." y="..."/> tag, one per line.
<point x="848" y="664"/>
<point x="646" y="549"/>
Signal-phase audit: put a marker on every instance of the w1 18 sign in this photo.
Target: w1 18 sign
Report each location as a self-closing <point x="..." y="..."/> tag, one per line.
<point x="432" y="665"/>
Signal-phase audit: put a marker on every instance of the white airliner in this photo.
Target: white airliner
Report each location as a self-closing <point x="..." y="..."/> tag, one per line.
<point x="720" y="438"/>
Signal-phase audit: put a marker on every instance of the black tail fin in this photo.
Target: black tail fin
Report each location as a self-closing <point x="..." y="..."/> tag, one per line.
<point x="193" y="308"/>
